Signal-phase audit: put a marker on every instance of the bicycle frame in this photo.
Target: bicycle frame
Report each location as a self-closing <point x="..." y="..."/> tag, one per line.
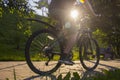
<point x="80" y="33"/>
<point x="48" y="51"/>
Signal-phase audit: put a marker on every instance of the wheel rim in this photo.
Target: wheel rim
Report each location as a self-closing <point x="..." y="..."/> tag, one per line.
<point x="36" y="53"/>
<point x="89" y="54"/>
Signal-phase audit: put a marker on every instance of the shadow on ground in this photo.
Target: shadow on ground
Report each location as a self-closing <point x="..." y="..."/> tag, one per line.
<point x="48" y="77"/>
<point x="83" y="76"/>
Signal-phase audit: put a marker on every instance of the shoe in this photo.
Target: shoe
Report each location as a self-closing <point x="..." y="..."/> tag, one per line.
<point x="65" y="59"/>
<point x="66" y="62"/>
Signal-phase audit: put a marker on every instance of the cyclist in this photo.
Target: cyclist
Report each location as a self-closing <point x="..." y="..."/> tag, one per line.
<point x="58" y="10"/>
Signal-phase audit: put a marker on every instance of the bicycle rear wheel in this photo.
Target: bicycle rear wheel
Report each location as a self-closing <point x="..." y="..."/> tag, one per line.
<point x="89" y="53"/>
<point x="40" y="58"/>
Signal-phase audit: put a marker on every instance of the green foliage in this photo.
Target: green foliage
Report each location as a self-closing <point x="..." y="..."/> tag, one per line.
<point x="112" y="74"/>
<point x="9" y="53"/>
<point x="75" y="76"/>
<point x="59" y="77"/>
<point x="101" y="37"/>
<point x="42" y="3"/>
<point x="107" y="75"/>
<point x="14" y="74"/>
<point x="67" y="77"/>
<point x="108" y="23"/>
<point x="13" y="27"/>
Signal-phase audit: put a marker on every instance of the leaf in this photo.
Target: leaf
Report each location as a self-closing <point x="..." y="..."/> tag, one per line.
<point x="76" y="76"/>
<point x="67" y="77"/>
<point x="59" y="77"/>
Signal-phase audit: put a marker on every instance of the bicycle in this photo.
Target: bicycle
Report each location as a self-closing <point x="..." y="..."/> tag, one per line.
<point x="44" y="47"/>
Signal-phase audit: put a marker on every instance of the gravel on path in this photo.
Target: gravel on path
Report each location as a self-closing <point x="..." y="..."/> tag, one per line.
<point x="10" y="70"/>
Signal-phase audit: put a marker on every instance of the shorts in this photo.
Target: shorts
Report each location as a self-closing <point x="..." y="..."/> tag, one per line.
<point x="58" y="14"/>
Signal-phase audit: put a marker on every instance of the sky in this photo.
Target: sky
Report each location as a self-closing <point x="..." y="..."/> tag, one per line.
<point x="37" y="11"/>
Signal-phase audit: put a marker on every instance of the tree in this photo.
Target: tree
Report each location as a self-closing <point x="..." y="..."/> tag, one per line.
<point x="12" y="17"/>
<point x="109" y="22"/>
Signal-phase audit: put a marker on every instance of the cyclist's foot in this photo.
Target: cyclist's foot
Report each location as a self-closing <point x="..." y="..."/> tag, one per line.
<point x="66" y="62"/>
<point x="65" y="59"/>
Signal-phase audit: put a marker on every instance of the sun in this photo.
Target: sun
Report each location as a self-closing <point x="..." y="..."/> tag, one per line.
<point x="74" y="14"/>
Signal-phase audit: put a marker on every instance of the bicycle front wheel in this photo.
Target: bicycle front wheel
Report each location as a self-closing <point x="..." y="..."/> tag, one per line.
<point x="89" y="53"/>
<point x="41" y="58"/>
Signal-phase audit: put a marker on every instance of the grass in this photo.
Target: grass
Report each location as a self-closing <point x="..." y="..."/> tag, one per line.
<point x="8" y="52"/>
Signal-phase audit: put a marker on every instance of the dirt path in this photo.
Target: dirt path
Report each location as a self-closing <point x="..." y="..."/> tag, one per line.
<point x="20" y="70"/>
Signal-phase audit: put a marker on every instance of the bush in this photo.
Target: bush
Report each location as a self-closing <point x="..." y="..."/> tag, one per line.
<point x="107" y="75"/>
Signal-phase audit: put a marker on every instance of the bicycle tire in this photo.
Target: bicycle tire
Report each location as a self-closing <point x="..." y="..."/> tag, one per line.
<point x="28" y="57"/>
<point x="84" y="43"/>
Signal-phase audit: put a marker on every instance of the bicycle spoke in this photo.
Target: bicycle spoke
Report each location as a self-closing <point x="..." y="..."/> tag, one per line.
<point x="89" y="54"/>
<point x="41" y="52"/>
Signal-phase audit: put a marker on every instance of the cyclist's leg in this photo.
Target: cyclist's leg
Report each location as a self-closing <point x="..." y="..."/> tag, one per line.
<point x="70" y="35"/>
<point x="59" y="16"/>
<point x="70" y="41"/>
